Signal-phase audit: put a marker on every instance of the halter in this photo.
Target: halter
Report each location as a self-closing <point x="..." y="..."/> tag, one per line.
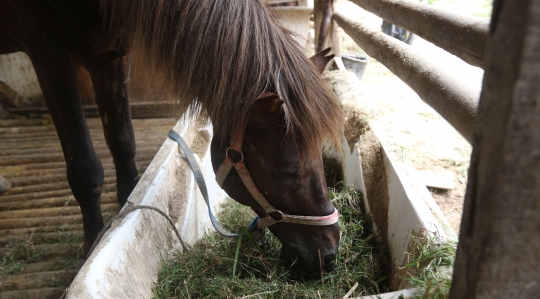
<point x="268" y="220"/>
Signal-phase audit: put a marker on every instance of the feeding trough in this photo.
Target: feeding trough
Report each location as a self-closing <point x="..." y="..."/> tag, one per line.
<point x="399" y="203"/>
<point x="126" y="261"/>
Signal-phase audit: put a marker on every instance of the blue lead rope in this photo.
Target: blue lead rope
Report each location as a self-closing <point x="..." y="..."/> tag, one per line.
<point x="197" y="173"/>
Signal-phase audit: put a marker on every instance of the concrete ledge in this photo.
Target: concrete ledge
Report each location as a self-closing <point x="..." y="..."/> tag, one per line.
<point x="412" y="212"/>
<point x="126" y="261"/>
<point x="398" y="201"/>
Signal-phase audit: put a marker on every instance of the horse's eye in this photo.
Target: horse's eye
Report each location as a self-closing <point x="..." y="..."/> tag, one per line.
<point x="290" y="172"/>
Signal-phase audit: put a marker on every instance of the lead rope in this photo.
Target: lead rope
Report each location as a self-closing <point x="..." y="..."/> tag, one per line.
<point x="128" y="208"/>
<point x="199" y="178"/>
<point x="197" y="173"/>
<point x="202" y="186"/>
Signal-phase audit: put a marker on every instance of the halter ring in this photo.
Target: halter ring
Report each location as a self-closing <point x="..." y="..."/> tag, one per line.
<point x="241" y="154"/>
<point x="280" y="214"/>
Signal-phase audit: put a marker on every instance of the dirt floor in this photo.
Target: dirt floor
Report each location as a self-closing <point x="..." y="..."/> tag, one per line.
<point x="412" y="129"/>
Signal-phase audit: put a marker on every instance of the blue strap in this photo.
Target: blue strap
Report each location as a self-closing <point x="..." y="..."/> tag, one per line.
<point x="197" y="173"/>
<point x="254" y="225"/>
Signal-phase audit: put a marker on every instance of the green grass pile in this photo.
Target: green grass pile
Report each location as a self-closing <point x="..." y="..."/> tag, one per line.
<point x="18" y="257"/>
<point x="209" y="271"/>
<point x="431" y="265"/>
<point x="22" y="254"/>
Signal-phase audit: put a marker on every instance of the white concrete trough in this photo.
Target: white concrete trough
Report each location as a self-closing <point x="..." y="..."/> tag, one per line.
<point x="126" y="262"/>
<point x="396" y="198"/>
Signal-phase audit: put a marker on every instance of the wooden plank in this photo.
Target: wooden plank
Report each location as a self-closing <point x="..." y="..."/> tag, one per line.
<point x="39" y="280"/>
<point x="51" y="212"/>
<point x="69" y="200"/>
<point x="157" y="109"/>
<point x="53" y="292"/>
<point x="437" y="180"/>
<point x="41" y="229"/>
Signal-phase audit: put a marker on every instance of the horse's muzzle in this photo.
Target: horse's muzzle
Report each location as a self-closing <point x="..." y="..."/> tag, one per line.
<point x="309" y="261"/>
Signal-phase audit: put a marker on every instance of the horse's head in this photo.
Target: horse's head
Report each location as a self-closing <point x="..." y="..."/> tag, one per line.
<point x="289" y="178"/>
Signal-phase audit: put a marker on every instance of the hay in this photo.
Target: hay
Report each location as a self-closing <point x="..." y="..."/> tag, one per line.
<point x="207" y="270"/>
<point x="430" y="266"/>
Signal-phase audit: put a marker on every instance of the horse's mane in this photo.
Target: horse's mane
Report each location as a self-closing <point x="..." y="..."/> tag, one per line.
<point x="223" y="54"/>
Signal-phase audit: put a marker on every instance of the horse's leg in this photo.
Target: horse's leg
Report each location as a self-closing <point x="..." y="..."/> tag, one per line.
<point x="57" y="75"/>
<point x="109" y="80"/>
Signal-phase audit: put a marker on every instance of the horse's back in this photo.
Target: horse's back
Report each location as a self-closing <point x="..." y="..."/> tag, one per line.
<point x="8" y="27"/>
<point x="70" y="26"/>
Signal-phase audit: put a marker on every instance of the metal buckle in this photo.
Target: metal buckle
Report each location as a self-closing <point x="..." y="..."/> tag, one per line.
<point x="241" y="154"/>
<point x="280" y="214"/>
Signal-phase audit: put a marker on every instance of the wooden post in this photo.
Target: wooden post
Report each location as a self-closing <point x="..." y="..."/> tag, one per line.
<point x="322" y="12"/>
<point x="334" y="37"/>
<point x="499" y="243"/>
<point x="317" y="17"/>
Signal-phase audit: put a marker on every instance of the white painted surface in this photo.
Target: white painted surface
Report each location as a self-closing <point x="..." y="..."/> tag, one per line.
<point x="352" y="168"/>
<point x="437" y="180"/>
<point x="412" y="212"/>
<point x="17" y="71"/>
<point x="403" y="294"/>
<point x="126" y="262"/>
<point x="295" y="19"/>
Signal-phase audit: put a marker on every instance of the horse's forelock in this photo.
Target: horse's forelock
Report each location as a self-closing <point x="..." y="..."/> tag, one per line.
<point x="221" y="55"/>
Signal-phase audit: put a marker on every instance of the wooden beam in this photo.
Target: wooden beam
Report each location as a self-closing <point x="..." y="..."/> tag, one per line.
<point x="461" y="35"/>
<point x="148" y="109"/>
<point x="498" y="253"/>
<point x="326" y="24"/>
<point x="445" y="92"/>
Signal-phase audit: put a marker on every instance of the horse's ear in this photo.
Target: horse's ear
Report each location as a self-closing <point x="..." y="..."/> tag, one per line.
<point x="321" y="59"/>
<point x="267" y="105"/>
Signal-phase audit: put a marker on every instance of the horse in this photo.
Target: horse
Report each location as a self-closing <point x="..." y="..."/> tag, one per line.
<point x="227" y="59"/>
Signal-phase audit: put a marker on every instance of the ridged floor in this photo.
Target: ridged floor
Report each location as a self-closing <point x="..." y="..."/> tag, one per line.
<point x="40" y="221"/>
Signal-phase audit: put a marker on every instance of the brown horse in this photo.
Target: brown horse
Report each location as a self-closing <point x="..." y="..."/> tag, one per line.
<point x="227" y="57"/>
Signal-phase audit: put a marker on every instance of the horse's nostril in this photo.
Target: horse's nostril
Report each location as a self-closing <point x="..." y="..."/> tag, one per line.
<point x="310" y="262"/>
<point x="329" y="260"/>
